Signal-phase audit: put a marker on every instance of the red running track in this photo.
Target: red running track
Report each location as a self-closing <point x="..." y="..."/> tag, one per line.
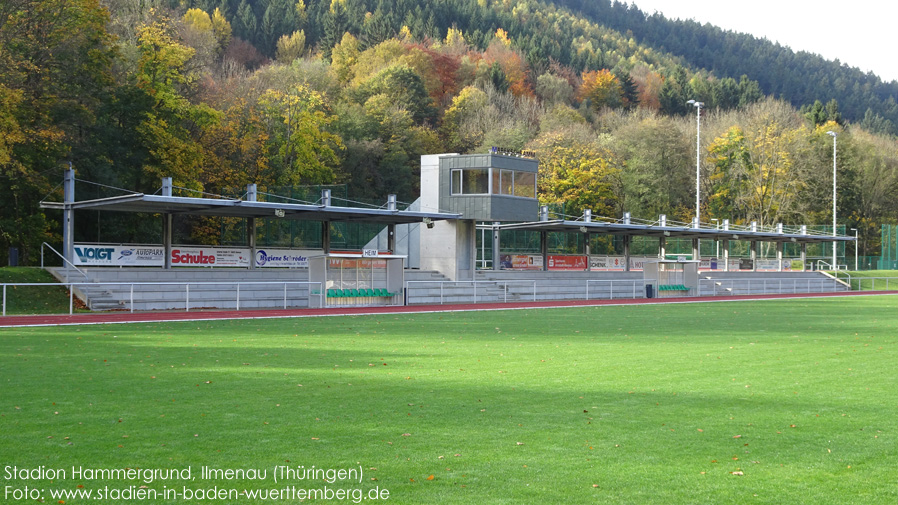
<point x="205" y="315"/>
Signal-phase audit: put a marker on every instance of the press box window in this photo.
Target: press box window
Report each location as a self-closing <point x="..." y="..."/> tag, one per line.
<point x="524" y="184"/>
<point x="495" y="181"/>
<point x="471" y="182"/>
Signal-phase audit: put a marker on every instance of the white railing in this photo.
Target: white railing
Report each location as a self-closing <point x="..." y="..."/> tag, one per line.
<point x="65" y="261"/>
<point x="862" y="281"/>
<point x="634" y="282"/>
<point x="185" y="287"/>
<point x="418" y="285"/>
<point x="768" y="286"/>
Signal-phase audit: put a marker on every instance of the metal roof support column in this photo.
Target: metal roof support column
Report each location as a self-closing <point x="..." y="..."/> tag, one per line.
<point x="391" y="238"/>
<point x="804" y="256"/>
<point x="587" y="217"/>
<point x="726" y="247"/>
<point x="251" y="227"/>
<point x="696" y="252"/>
<point x="326" y="236"/>
<point x="662" y="247"/>
<point x="725" y="244"/>
<point x="166" y="224"/>
<point x="779" y="256"/>
<point x="68" y="217"/>
<point x="544" y="237"/>
<point x="497" y="260"/>
<point x="753" y="245"/>
<point x="779" y="248"/>
<point x="627" y="253"/>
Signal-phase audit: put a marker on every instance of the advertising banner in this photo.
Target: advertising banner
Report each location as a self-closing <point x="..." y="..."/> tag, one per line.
<point x="283" y="258"/>
<point x="616" y="262"/>
<point x="117" y="255"/>
<point x="353" y="263"/>
<point x="746" y="264"/>
<point x="567" y="262"/>
<point x="637" y="263"/>
<point x="522" y="261"/>
<point x="599" y="263"/>
<point x="188" y="256"/>
<point x="768" y="265"/>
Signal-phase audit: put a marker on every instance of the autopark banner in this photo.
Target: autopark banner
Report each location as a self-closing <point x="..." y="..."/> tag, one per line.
<point x="154" y="256"/>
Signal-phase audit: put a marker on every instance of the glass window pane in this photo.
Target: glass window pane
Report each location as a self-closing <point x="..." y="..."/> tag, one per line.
<point x="456" y="182"/>
<point x="476" y="182"/>
<point x="507" y="182"/>
<point x="525" y="184"/>
<point x="496" y="184"/>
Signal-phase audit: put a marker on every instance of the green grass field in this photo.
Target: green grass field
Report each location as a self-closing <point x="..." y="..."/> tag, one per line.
<point x="731" y="402"/>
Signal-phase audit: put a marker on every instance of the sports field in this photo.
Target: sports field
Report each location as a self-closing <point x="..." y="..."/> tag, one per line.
<point x="729" y="402"/>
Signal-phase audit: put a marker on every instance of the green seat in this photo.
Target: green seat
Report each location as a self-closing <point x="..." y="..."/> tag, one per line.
<point x="369" y="292"/>
<point x="331" y="293"/>
<point x="354" y="293"/>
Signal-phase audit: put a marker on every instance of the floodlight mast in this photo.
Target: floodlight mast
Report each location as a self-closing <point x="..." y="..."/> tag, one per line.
<point x="698" y="158"/>
<point x="834" y="135"/>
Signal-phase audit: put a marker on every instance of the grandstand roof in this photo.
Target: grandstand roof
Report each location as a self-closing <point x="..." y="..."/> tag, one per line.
<point x="153" y="204"/>
<point x="675" y="231"/>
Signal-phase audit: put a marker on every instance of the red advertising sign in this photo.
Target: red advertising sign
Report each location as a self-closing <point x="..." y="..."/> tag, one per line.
<point x="568" y="262"/>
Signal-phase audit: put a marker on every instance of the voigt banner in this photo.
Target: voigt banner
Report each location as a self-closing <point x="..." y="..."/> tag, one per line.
<point x="118" y="255"/>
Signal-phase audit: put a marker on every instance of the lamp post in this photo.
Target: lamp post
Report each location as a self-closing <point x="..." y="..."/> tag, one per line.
<point x="698" y="156"/>
<point x="834" y="135"/>
<point x="855" y="248"/>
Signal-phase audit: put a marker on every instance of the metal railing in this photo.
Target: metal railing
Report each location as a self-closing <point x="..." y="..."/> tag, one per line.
<point x="610" y="283"/>
<point x="793" y="285"/>
<point x="65" y="261"/>
<point x="418" y="285"/>
<point x="860" y="283"/>
<point x="186" y="290"/>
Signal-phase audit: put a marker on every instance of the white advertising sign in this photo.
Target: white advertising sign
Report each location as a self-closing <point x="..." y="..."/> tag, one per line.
<point x="181" y="256"/>
<point x="284" y="258"/>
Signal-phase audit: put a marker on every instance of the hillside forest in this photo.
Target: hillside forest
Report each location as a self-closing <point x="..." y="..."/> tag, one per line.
<point x="221" y="93"/>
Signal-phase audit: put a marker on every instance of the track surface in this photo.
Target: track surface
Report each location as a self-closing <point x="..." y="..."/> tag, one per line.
<point x="204" y="315"/>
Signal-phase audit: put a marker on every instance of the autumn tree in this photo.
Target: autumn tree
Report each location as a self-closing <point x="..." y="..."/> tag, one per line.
<point x="580" y="176"/>
<point x="301" y="149"/>
<point x="601" y="88"/>
<point x="55" y="61"/>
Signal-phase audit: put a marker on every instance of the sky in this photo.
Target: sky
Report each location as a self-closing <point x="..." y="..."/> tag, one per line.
<point x="861" y="33"/>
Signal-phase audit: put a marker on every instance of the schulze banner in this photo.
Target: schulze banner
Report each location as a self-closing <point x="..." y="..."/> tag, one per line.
<point x="188" y="256"/>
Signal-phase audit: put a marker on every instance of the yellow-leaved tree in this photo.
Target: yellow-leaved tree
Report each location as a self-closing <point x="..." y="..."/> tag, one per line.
<point x="580" y="176"/>
<point x="601" y="88"/>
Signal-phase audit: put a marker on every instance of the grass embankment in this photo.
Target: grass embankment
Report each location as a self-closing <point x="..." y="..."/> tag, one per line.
<point x="729" y="402"/>
<point x="871" y="280"/>
<point x="33" y="299"/>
